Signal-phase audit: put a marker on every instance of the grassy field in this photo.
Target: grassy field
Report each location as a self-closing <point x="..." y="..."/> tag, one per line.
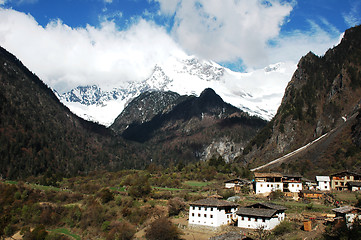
<point x="197" y="183"/>
<point x="168" y="189"/>
<point x="349" y="197"/>
<point x="119" y="189"/>
<point x="66" y="232"/>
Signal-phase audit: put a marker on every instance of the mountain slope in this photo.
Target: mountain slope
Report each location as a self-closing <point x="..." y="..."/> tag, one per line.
<point x="38" y="133"/>
<point x="186" y="128"/>
<point x="322" y="94"/>
<point x="259" y="92"/>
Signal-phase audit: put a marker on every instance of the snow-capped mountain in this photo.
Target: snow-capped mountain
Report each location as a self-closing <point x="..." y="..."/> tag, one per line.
<point x="258" y="92"/>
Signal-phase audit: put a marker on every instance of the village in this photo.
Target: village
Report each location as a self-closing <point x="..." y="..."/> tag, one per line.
<point x="197" y="205"/>
<point x="266" y="215"/>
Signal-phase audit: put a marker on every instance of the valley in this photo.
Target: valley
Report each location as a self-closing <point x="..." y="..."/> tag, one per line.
<point x="63" y="177"/>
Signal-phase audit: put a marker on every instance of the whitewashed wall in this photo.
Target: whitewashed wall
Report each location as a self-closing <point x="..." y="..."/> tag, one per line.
<point x="210" y="216"/>
<point x="267" y="187"/>
<point x="257" y="222"/>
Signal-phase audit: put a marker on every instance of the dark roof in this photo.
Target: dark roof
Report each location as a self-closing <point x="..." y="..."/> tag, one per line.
<point x="237" y="180"/>
<point x="296" y="175"/>
<point x="259" y="174"/>
<point x="354" y="184"/>
<point x="267" y="205"/>
<point x="265" y="209"/>
<point x="344" y="173"/>
<point x="346" y="209"/>
<point x="213" y="202"/>
<point x="259" y="212"/>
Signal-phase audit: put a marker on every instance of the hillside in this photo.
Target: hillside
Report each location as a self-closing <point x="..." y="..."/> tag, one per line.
<point x="38" y="134"/>
<point x="322" y="94"/>
<point x="177" y="128"/>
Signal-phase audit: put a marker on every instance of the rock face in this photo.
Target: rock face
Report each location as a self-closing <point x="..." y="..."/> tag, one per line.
<point x="144" y="107"/>
<point x="322" y="94"/>
<point x="189" y="127"/>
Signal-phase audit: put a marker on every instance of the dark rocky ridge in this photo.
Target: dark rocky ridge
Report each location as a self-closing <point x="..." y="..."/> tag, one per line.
<point x="321" y="94"/>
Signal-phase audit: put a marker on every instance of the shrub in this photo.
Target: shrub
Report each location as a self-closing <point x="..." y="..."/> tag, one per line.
<point x="276" y="195"/>
<point x="140" y="187"/>
<point x="175" y="205"/>
<point x="226" y="193"/>
<point x="39" y="233"/>
<point x="121" y="231"/>
<point x="106" y="195"/>
<point x="283" y="228"/>
<point x="162" y="229"/>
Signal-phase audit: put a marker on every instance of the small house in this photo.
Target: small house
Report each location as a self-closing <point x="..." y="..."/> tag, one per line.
<point x="323" y="183"/>
<point x="292" y="183"/>
<point x="212" y="212"/>
<point x="260" y="215"/>
<point x="311" y="194"/>
<point x="354" y="186"/>
<point x="265" y="183"/>
<point x="236" y="184"/>
<point x="339" y="180"/>
<point x="348" y="214"/>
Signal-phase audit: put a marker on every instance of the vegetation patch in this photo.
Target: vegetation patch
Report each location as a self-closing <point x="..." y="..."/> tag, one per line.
<point x="197" y="183"/>
<point x="66" y="232"/>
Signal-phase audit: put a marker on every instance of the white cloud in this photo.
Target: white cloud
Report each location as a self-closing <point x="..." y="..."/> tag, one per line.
<point x="227" y="30"/>
<point x="65" y="57"/>
<point x="2" y="2"/>
<point x="353" y="17"/>
<point x="296" y="44"/>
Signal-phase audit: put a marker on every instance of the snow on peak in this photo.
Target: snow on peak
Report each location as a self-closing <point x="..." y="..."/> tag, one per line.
<point x="258" y="92"/>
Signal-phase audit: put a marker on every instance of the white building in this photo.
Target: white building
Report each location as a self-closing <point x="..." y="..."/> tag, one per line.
<point x="323" y="183"/>
<point x="292" y="183"/>
<point x="265" y="183"/>
<point x="212" y="212"/>
<point x="261" y="215"/>
<point x="348" y="214"/>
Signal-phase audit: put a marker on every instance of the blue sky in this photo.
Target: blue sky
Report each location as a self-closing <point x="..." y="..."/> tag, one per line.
<point x="124" y="39"/>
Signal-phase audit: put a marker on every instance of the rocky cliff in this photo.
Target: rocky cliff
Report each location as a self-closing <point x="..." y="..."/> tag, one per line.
<point x="322" y="94"/>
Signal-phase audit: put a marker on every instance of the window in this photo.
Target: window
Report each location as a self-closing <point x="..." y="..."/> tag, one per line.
<point x="261" y="185"/>
<point x="199" y="215"/>
<point x="205" y="208"/>
<point x="293" y="185"/>
<point x="199" y="208"/>
<point x="211" y="216"/>
<point x="278" y="186"/>
<point x="211" y="209"/>
<point x="263" y="220"/>
<point x="249" y="219"/>
<point x="205" y="215"/>
<point x="192" y="214"/>
<point x="267" y="185"/>
<point x="194" y="208"/>
<point x="255" y="219"/>
<point x="242" y="218"/>
<point x="227" y="216"/>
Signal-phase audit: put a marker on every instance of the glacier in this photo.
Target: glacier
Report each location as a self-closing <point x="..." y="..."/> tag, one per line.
<point x="258" y="92"/>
